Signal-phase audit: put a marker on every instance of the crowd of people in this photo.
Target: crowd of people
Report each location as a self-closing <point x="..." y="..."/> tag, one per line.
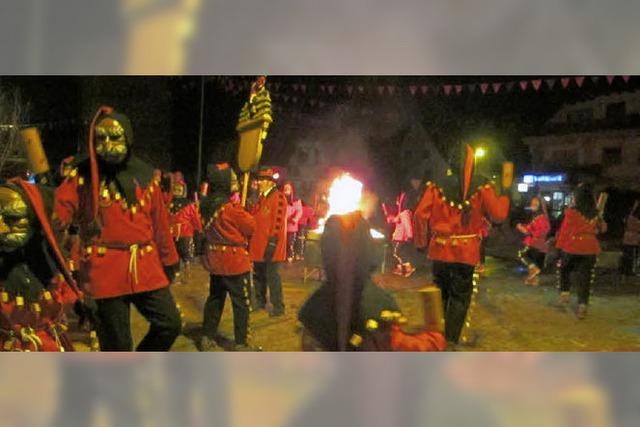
<point x="110" y="231"/>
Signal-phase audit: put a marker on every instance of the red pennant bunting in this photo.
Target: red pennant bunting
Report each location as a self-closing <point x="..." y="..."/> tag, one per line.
<point x="380" y="90"/>
<point x="496" y="87"/>
<point x="626" y="79"/>
<point x="424" y="89"/>
<point x="579" y="81"/>
<point x="331" y="88"/>
<point x="471" y="87"/>
<point x="295" y="87"/>
<point x="413" y="90"/>
<point x="565" y="82"/>
<point x="524" y="84"/>
<point x="303" y="88"/>
<point x="509" y="86"/>
<point x="322" y="88"/>
<point x="536" y="84"/>
<point x="595" y="79"/>
<point x="458" y="89"/>
<point x="447" y="89"/>
<point x="484" y="87"/>
<point x="391" y="89"/>
<point x="350" y="90"/>
<point x="551" y="83"/>
<point x="610" y="79"/>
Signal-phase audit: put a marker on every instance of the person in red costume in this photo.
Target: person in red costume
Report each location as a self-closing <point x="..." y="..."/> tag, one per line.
<point x="535" y="240"/>
<point x="449" y="219"/>
<point x="349" y="312"/>
<point x="577" y="240"/>
<point x="185" y="222"/>
<point x="36" y="285"/>
<point x="268" y="245"/>
<point x="228" y="230"/>
<point x="128" y="252"/>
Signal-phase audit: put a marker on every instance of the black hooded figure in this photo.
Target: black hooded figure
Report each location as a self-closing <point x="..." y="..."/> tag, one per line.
<point x="344" y="313"/>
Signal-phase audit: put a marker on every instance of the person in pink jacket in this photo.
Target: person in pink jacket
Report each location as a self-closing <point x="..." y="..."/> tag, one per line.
<point x="402" y="233"/>
<point x="535" y="240"/>
<point x="294" y="213"/>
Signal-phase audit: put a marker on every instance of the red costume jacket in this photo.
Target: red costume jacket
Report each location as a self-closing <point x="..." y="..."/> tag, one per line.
<point x="228" y="233"/>
<point x="578" y="235"/>
<point x="537" y="231"/>
<point x="438" y="223"/>
<point x="270" y="214"/>
<point x="186" y="221"/>
<point x="132" y="245"/>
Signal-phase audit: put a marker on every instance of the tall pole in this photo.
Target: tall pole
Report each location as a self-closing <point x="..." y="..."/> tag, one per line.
<point x="200" y="131"/>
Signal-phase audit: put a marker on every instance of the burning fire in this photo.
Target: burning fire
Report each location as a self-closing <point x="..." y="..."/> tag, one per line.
<point x="345" y="196"/>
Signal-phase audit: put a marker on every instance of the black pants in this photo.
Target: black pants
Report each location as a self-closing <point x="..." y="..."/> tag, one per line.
<point x="238" y="289"/>
<point x="268" y="277"/>
<point x="455" y="280"/>
<point x="186" y="248"/>
<point x="529" y="255"/>
<point x="629" y="260"/>
<point x="292" y="238"/>
<point x="483" y="250"/>
<point x="583" y="267"/>
<point x="158" y="308"/>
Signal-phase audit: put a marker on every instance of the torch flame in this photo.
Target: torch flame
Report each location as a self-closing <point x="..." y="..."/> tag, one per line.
<point x="345" y="195"/>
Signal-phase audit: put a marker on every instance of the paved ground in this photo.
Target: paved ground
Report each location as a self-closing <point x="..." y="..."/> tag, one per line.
<point x="507" y="316"/>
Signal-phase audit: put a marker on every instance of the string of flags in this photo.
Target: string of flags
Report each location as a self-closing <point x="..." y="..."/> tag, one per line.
<point x="317" y="94"/>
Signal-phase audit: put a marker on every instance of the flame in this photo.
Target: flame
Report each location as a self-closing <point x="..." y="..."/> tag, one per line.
<point x="345" y="196"/>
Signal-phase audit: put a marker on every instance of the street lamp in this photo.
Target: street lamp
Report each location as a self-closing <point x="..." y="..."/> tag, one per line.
<point x="480" y="152"/>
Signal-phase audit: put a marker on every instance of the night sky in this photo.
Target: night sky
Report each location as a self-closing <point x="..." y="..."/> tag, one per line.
<point x="165" y="113"/>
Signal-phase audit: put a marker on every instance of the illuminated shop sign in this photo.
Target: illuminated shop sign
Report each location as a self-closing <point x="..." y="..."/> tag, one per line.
<point x="523" y="188"/>
<point x="533" y="179"/>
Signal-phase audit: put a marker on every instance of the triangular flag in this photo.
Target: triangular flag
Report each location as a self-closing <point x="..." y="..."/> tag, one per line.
<point x="303" y="88"/>
<point x="322" y="88"/>
<point x="484" y="87"/>
<point x="579" y="81"/>
<point x="295" y="87"/>
<point x="331" y="88"/>
<point x="380" y="90"/>
<point x="595" y="79"/>
<point x="509" y="86"/>
<point x="496" y="87"/>
<point x="391" y="89"/>
<point x="610" y="79"/>
<point x="413" y="90"/>
<point x="458" y="89"/>
<point x="565" y="82"/>
<point x="424" y="89"/>
<point x="551" y="83"/>
<point x="447" y="89"/>
<point x="361" y="89"/>
<point x="350" y="90"/>
<point x="536" y="84"/>
<point x="626" y="79"/>
<point x="524" y="84"/>
<point x="471" y="87"/>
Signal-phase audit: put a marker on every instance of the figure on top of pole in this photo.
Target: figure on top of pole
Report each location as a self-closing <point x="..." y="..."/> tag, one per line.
<point x="449" y="220"/>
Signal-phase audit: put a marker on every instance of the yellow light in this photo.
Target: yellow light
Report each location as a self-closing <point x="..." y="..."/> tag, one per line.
<point x="345" y="195"/>
<point x="480" y="152"/>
